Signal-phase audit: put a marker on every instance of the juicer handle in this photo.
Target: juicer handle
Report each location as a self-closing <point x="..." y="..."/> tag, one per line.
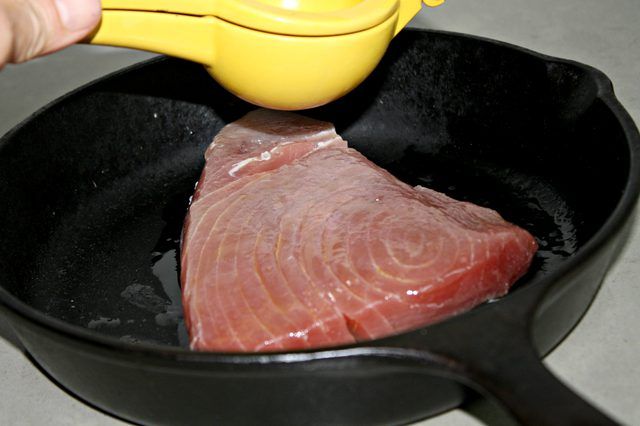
<point x="185" y="7"/>
<point x="407" y="9"/>
<point x="182" y="36"/>
<point x="433" y="3"/>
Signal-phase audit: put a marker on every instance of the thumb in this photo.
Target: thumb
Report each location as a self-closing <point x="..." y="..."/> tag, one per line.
<point x="31" y="28"/>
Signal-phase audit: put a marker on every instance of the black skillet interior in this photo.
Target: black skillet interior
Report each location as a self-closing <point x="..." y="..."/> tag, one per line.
<point x="95" y="187"/>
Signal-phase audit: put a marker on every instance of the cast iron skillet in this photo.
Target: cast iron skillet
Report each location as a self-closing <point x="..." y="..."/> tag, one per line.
<point x="94" y="188"/>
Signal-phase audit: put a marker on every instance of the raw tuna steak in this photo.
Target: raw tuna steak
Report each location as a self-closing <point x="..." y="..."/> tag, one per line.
<point x="294" y="241"/>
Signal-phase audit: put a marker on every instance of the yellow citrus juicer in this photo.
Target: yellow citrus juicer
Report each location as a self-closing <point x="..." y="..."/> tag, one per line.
<point x="281" y="54"/>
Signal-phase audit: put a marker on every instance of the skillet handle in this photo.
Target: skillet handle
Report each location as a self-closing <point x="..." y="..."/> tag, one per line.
<point x="521" y="383"/>
<point x="6" y="330"/>
<point x="496" y="358"/>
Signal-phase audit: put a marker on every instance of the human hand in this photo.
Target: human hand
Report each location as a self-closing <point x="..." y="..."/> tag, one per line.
<point x="32" y="28"/>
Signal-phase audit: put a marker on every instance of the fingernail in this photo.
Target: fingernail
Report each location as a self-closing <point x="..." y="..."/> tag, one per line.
<point x="78" y="15"/>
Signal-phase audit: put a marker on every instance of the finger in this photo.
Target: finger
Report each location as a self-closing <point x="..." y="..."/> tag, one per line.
<point x="31" y="28"/>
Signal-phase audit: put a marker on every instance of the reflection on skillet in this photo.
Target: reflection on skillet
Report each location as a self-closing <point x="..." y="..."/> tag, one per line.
<point x="147" y="304"/>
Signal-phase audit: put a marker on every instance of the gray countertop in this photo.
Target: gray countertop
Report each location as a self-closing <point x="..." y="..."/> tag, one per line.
<point x="599" y="359"/>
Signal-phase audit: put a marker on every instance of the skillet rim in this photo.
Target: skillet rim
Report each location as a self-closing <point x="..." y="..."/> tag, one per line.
<point x="616" y="220"/>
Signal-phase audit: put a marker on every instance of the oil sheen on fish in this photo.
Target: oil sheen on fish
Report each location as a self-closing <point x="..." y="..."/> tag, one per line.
<point x="293" y="241"/>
